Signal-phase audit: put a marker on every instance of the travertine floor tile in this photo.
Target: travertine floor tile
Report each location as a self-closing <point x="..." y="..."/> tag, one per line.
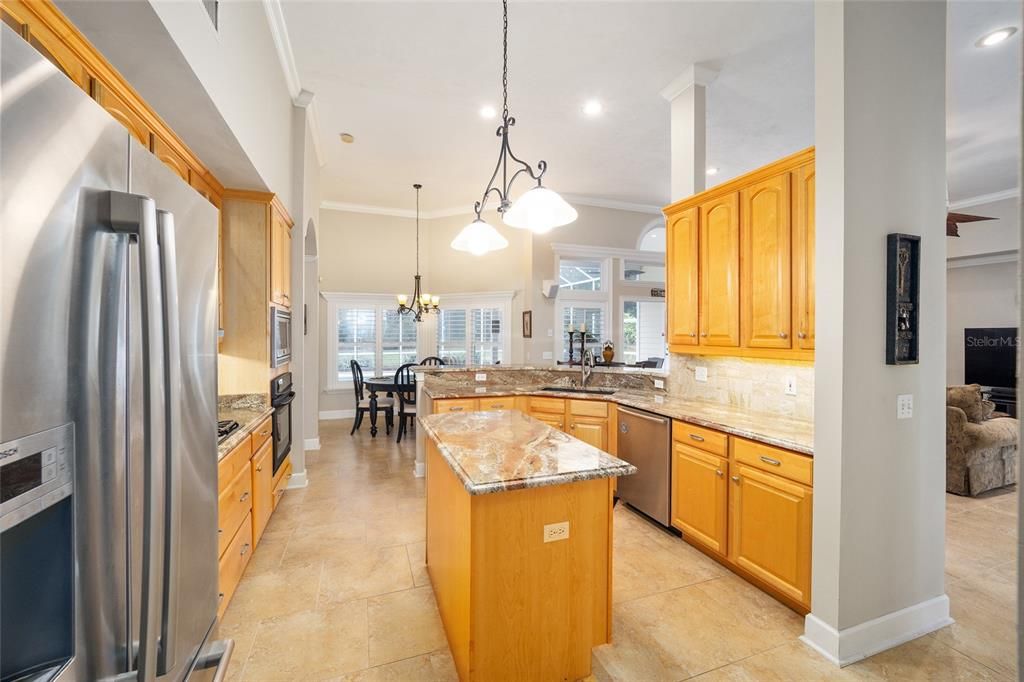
<point x="365" y="573"/>
<point x="404" y="624"/>
<point x="417" y="562"/>
<point x="984" y="607"/>
<point x="275" y="593"/>
<point x="324" y="543"/>
<point x="434" y="667"/>
<point x="644" y="567"/>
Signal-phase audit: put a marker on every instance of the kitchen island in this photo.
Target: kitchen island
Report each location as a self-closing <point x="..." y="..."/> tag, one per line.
<point x="519" y="544"/>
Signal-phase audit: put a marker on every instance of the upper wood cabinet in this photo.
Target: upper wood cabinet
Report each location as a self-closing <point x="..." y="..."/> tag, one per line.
<point x="682" y="240"/>
<point x="720" y="272"/>
<point x="123" y="113"/>
<point x="803" y="256"/>
<point x="172" y="159"/>
<point x="765" y="235"/>
<point x="740" y="261"/>
<point x="280" y="258"/>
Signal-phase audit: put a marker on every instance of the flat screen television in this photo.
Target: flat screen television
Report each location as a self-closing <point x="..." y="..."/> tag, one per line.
<point x="990" y="356"/>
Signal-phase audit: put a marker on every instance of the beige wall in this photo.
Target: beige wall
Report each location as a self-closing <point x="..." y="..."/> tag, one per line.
<point x="977" y="296"/>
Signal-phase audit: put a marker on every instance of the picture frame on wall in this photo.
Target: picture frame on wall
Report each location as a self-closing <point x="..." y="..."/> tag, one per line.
<point x="903" y="296"/>
<point x="527" y="324"/>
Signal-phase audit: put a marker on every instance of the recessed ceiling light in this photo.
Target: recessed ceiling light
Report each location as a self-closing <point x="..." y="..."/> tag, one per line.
<point x="487" y="112"/>
<point x="995" y="37"/>
<point x="592" y="107"/>
<point x="712" y="171"/>
<point x="347" y="138"/>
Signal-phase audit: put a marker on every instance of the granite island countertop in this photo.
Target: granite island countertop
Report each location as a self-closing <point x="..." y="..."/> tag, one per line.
<point x="493" y="452"/>
<point x="249" y="410"/>
<point x="785" y="432"/>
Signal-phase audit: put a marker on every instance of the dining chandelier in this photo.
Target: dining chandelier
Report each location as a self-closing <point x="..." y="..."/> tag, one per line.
<point x="421" y="302"/>
<point x="539" y="209"/>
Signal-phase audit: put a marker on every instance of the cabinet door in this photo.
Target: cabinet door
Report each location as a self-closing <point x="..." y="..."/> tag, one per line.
<point x="590" y="430"/>
<point x="262" y="489"/>
<point x="172" y="159"/>
<point x="553" y="420"/>
<point x="700" y="496"/>
<point x="123" y="113"/>
<point x="681" y="277"/>
<point x="765" y="285"/>
<point x="803" y="256"/>
<point x="770" y="530"/>
<point x="720" y="272"/>
<point x="280" y="263"/>
<point x="45" y="40"/>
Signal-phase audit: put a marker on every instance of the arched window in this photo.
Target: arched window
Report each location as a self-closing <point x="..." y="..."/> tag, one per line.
<point x="653" y="237"/>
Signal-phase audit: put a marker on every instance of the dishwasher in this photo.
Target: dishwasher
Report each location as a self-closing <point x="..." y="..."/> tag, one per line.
<point x="645" y="441"/>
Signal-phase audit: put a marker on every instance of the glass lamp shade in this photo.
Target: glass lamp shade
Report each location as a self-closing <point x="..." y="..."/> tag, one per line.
<point x="478" y="238"/>
<point x="539" y="210"/>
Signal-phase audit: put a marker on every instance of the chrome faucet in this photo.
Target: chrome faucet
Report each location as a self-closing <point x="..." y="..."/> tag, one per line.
<point x="586" y="366"/>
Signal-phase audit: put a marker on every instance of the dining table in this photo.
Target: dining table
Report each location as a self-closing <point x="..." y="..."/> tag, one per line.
<point x="384" y="384"/>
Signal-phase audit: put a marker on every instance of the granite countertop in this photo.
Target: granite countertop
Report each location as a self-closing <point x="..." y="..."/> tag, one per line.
<point x="785" y="432"/>
<point x="492" y="452"/>
<point x="574" y="369"/>
<point x="249" y="410"/>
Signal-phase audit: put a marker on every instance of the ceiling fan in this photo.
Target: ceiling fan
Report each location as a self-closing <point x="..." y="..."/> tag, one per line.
<point x="953" y="221"/>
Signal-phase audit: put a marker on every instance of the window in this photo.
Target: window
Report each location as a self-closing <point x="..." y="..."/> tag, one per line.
<point x="653" y="239"/>
<point x="643" y="330"/>
<point x="580" y="275"/>
<point x="473" y="332"/>
<point x="636" y="271"/>
<point x="574" y="314"/>
<point x="369" y="330"/>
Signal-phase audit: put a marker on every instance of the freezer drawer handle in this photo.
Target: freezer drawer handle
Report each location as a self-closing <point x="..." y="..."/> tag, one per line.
<point x="769" y="460"/>
<point x="219" y="655"/>
<point x="699" y="439"/>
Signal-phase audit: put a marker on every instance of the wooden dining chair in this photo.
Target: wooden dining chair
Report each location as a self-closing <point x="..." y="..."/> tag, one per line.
<point x="432" y="360"/>
<point x="406" y="399"/>
<point x="385" y="405"/>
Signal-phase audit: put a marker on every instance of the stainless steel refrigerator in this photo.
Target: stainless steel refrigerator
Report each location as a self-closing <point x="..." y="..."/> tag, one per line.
<point x="108" y="395"/>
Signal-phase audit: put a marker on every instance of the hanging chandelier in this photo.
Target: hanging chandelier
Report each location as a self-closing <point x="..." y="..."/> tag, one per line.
<point x="538" y="210"/>
<point x="421" y="302"/>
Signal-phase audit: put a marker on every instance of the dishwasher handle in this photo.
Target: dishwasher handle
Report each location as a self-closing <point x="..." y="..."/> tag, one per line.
<point x="641" y="415"/>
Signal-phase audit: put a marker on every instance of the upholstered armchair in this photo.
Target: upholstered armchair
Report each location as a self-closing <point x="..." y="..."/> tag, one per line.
<point x="981" y="445"/>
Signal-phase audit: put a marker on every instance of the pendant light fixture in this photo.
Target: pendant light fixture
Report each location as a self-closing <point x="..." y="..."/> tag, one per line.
<point x="538" y="210"/>
<point x="421" y="302"/>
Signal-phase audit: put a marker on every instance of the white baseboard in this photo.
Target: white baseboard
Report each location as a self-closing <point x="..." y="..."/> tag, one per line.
<point x="299" y="480"/>
<point x="337" y="414"/>
<point x="420" y="470"/>
<point x="312" y="443"/>
<point x="867" y="639"/>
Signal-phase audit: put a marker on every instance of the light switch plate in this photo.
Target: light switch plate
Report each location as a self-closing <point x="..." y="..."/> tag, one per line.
<point x="481" y="376"/>
<point x="905" y="406"/>
<point x="481" y="389"/>
<point x="658" y="383"/>
<point x="700" y="374"/>
<point x="553" y="532"/>
<point x="551" y="332"/>
<point x="790" y="385"/>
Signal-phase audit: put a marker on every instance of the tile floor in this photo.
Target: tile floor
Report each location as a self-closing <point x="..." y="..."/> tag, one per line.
<point x="337" y="590"/>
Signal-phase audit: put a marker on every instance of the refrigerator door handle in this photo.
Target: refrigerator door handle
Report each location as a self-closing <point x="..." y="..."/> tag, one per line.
<point x="135" y="215"/>
<point x="172" y="420"/>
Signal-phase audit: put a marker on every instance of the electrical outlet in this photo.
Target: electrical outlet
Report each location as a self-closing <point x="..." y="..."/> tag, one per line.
<point x="658" y="383"/>
<point x="481" y="389"/>
<point x="905" y="406"/>
<point x="551" y="332"/>
<point x="659" y="399"/>
<point x="547" y="355"/>
<point x="481" y="376"/>
<point x="790" y="385"/>
<point x="553" y="532"/>
<point x="700" y="373"/>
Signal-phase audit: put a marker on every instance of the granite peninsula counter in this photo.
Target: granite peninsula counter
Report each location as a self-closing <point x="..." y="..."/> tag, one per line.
<point x="519" y="543"/>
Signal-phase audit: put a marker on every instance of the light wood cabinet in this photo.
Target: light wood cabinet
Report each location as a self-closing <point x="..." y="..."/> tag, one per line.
<point x="765" y="238"/>
<point x="803" y="256"/>
<point x="171" y="158"/>
<point x="740" y="257"/>
<point x="456" y="405"/>
<point x="22" y="16"/>
<point x="682" y="241"/>
<point x="284" y="473"/>
<point x="700" y="495"/>
<point x="590" y="430"/>
<point x="233" y="505"/>
<point x="280" y="258"/>
<point x="232" y="564"/>
<point x="262" y="466"/>
<point x="123" y="112"/>
<point x="770" y="530"/>
<point x="720" y="272"/>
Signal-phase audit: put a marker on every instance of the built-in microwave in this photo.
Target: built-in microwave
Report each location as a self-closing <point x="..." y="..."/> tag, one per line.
<point x="280" y="336"/>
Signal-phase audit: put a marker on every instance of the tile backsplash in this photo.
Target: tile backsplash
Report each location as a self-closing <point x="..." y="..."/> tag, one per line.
<point x="757" y="385"/>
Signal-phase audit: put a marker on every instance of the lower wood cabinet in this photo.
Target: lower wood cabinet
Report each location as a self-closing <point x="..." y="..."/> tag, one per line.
<point x="262" y="489"/>
<point x="700" y="496"/>
<point x="232" y="564"/>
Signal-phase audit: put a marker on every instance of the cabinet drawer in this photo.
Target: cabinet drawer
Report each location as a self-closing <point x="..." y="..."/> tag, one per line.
<point x="460" y="405"/>
<point x="550" y="405"/>
<point x="233" y="462"/>
<point x="233" y="506"/>
<point x="281" y="480"/>
<point x="784" y="463"/>
<point x="708" y="440"/>
<point x="501" y="403"/>
<point x="261" y="434"/>
<point x="588" y="408"/>
<point x="262" y="490"/>
<point x="232" y="564"/>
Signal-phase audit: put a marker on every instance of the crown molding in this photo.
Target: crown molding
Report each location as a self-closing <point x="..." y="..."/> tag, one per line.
<point x="985" y="199"/>
<point x="983" y="259"/>
<point x="598" y="202"/>
<point x="695" y="74"/>
<point x="468" y="211"/>
<point x="302" y="98"/>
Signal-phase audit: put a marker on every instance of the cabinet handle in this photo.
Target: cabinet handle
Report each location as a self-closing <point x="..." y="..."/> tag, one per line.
<point x="718" y="472"/>
<point x="497" y="406"/>
<point x="455" y="409"/>
<point x="245" y="548"/>
<point x="561" y="425"/>
<point x="693" y="333"/>
<point x="802" y="335"/>
<point x="220" y="597"/>
<point x="769" y="460"/>
<point x="703" y="333"/>
<point x="220" y="531"/>
<point x="783" y="335"/>
<point x="258" y="469"/>
<point x="699" y="439"/>
<point x="572" y="426"/>
<point x="244" y="497"/>
<point x="736" y="479"/>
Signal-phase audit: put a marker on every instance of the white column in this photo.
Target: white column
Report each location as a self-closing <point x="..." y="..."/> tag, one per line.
<point x="879" y="482"/>
<point x="687" y="95"/>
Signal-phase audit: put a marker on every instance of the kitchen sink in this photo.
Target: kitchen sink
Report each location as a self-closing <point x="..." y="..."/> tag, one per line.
<point x="575" y="389"/>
